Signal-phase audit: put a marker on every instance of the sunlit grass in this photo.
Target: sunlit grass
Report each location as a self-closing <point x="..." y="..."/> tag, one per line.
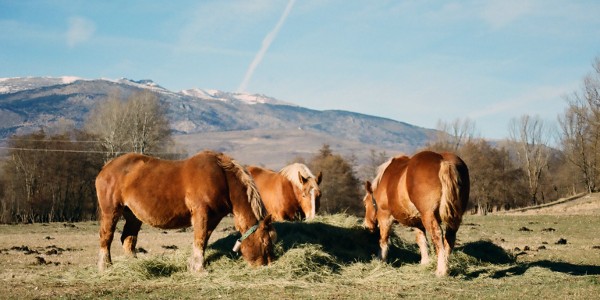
<point x="329" y="257"/>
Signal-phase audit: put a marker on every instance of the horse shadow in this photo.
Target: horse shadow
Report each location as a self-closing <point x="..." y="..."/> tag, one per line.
<point x="488" y="252"/>
<point x="345" y="245"/>
<point x="356" y="244"/>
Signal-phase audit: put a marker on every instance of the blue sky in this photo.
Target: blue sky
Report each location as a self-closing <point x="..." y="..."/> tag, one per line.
<point x="412" y="61"/>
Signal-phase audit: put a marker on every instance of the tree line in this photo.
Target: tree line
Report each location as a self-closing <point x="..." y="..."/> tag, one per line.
<point x="49" y="177"/>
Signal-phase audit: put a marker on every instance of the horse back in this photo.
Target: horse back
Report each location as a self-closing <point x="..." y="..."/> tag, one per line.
<point x="276" y="192"/>
<point x="422" y="180"/>
<point x="394" y="196"/>
<point x="163" y="193"/>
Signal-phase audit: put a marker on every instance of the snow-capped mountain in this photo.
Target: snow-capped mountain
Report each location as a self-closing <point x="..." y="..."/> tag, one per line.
<point x="17" y="84"/>
<point x="227" y="96"/>
<point x="208" y="118"/>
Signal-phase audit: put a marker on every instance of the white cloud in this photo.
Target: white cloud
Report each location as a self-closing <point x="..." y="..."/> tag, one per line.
<point x="500" y="13"/>
<point x="80" y="30"/>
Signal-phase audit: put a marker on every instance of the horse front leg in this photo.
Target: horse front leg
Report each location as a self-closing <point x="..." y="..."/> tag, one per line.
<point x="384" y="237"/>
<point x="130" y="232"/>
<point x="421" y="238"/>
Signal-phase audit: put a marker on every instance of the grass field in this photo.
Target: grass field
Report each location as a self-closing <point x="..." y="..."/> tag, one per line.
<point x="497" y="256"/>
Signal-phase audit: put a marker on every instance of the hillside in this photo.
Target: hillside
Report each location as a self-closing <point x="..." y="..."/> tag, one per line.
<point x="581" y="204"/>
<point x="261" y="129"/>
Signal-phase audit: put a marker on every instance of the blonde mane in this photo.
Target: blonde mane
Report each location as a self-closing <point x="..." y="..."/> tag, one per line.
<point x="381" y="169"/>
<point x="228" y="164"/>
<point x="291" y="173"/>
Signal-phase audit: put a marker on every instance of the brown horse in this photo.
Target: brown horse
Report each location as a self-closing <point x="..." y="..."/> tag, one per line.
<point x="424" y="192"/>
<point x="198" y="192"/>
<point x="293" y="191"/>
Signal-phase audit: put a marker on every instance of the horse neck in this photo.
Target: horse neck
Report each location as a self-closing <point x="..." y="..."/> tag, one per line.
<point x="297" y="196"/>
<point x="243" y="216"/>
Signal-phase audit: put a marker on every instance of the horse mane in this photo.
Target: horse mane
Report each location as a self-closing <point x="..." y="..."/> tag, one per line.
<point x="228" y="164"/>
<point x="381" y="169"/>
<point x="291" y="173"/>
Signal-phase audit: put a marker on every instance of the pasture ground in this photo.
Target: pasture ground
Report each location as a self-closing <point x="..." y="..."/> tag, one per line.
<point x="497" y="257"/>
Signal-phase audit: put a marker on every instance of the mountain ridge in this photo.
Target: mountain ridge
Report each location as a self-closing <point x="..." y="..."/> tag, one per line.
<point x="30" y="103"/>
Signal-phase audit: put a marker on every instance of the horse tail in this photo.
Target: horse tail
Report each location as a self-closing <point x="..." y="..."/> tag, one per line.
<point x="454" y="178"/>
<point x="246" y="180"/>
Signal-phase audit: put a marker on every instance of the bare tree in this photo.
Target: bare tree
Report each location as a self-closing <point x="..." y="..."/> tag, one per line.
<point x="453" y="135"/>
<point x="149" y="126"/>
<point x="530" y="139"/>
<point x="369" y="170"/>
<point x="108" y="122"/>
<point x="49" y="178"/>
<point x="580" y="127"/>
<point x="138" y="124"/>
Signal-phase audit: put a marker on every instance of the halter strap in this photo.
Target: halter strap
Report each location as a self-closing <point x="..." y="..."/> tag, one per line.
<point x="374" y="201"/>
<point x="249" y="232"/>
<point x="246" y="234"/>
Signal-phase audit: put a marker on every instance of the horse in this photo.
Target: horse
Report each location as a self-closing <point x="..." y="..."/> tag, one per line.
<point x="423" y="192"/>
<point x="291" y="192"/>
<point x="198" y="191"/>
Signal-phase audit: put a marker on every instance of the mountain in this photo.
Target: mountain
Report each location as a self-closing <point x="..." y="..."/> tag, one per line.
<point x="255" y="128"/>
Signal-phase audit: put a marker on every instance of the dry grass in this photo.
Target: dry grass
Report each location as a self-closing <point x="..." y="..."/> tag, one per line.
<point x="331" y="257"/>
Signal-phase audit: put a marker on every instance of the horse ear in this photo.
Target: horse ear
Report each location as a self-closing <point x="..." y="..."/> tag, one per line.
<point x="268" y="220"/>
<point x="302" y="179"/>
<point x="319" y="177"/>
<point x="368" y="187"/>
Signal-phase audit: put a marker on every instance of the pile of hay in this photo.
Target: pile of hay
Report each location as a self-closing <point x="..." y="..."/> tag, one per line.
<point x="333" y="245"/>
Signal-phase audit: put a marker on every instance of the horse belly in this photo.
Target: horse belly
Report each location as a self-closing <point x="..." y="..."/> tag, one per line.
<point x="407" y="214"/>
<point x="161" y="214"/>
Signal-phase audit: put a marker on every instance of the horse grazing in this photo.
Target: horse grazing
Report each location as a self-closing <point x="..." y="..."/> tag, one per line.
<point x="198" y="192"/>
<point x="424" y="192"/>
<point x="292" y="191"/>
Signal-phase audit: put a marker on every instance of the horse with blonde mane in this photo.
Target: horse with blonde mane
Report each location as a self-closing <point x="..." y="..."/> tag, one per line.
<point x="291" y="192"/>
<point x="425" y="191"/>
<point x="198" y="192"/>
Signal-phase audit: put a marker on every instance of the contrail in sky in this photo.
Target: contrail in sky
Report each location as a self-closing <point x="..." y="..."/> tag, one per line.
<point x="266" y="43"/>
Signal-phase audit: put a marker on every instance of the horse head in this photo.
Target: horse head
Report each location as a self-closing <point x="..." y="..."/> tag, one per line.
<point x="311" y="194"/>
<point x="257" y="247"/>
<point x="370" y="208"/>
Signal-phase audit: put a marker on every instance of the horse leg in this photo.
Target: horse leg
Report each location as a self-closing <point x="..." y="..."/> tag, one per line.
<point x="433" y="226"/>
<point x="130" y="232"/>
<point x="108" y="223"/>
<point x="421" y="238"/>
<point x="449" y="240"/>
<point x="384" y="236"/>
<point x="200" y="225"/>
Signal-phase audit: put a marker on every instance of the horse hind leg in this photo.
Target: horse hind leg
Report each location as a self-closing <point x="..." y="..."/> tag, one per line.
<point x="201" y="234"/>
<point x="108" y="223"/>
<point x="130" y="232"/>
<point x="421" y="238"/>
<point x="449" y="240"/>
<point x="433" y="225"/>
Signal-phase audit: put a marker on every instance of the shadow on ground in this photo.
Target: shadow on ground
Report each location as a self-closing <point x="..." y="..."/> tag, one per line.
<point x="349" y="245"/>
<point x="488" y="252"/>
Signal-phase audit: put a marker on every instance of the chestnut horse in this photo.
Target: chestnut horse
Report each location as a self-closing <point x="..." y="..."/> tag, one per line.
<point x="424" y="192"/>
<point x="292" y="191"/>
<point x="198" y="192"/>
